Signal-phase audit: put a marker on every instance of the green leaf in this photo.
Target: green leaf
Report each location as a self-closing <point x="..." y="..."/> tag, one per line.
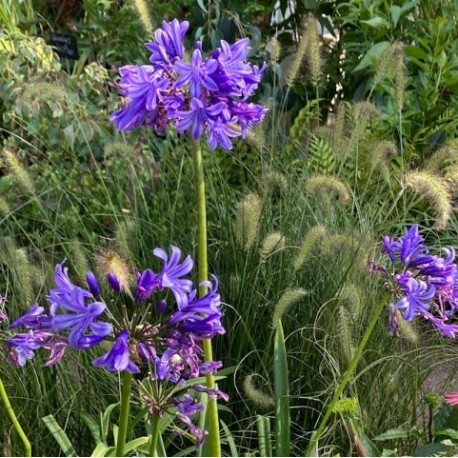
<point x="368" y="445"/>
<point x="134" y="444"/>
<point x="372" y="55"/>
<point x="377" y="22"/>
<point x="59" y="435"/>
<point x="281" y="389"/>
<point x="92" y="425"/>
<point x="202" y="6"/>
<point x="430" y="449"/>
<point x="395" y="433"/>
<point x="395" y="14"/>
<point x="230" y="440"/>
<point x="105" y="421"/>
<point x="69" y="134"/>
<point x="408" y="6"/>
<point x="100" y="449"/>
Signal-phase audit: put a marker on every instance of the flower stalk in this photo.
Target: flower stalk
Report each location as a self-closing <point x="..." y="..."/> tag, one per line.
<point x="213" y="440"/>
<point x="346" y="378"/>
<point x="155" y="423"/>
<point x="15" y="421"/>
<point x="124" y="412"/>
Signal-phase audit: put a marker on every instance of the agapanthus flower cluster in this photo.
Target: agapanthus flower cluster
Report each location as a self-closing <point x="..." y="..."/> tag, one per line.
<point x="157" y="324"/>
<point x="206" y="95"/>
<point x="422" y="284"/>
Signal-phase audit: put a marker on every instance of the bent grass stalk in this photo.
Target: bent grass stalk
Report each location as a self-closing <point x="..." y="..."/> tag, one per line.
<point x="213" y="443"/>
<point x="346" y="378"/>
<point x="15" y="421"/>
<point x="124" y="412"/>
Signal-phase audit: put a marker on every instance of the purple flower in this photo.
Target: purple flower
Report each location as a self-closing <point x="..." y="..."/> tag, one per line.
<point x="169" y="43"/>
<point x="118" y="358"/>
<point x="24" y="345"/>
<point x="424" y="284"/>
<point x="93" y="283"/>
<point x="417" y="295"/>
<point x="33" y="319"/>
<point x="146" y="283"/>
<point x="83" y="318"/>
<point x="220" y="134"/>
<point x="197" y="73"/>
<point x="114" y="282"/>
<point x="201" y="316"/>
<point x="197" y="117"/>
<point x="170" y="275"/>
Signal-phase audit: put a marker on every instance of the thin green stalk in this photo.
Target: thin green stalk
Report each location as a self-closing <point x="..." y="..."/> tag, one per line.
<point x="346" y="378"/>
<point x="124" y="413"/>
<point x="16" y="424"/>
<point x="212" y="443"/>
<point x="155" y="421"/>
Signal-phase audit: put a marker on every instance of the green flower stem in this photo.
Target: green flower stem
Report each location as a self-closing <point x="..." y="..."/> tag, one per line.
<point x="16" y="424"/>
<point x="213" y="438"/>
<point x="155" y="421"/>
<point x="346" y="378"/>
<point x="124" y="413"/>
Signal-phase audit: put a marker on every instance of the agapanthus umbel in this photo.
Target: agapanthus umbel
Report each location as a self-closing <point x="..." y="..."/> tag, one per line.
<point x="159" y="326"/>
<point x="422" y="284"/>
<point x="207" y="95"/>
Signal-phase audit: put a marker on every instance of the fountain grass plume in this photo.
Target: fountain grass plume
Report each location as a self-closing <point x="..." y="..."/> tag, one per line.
<point x="287" y="299"/>
<point x="442" y="158"/>
<point x="110" y="261"/>
<point x="5" y="209"/>
<point x="79" y="258"/>
<point x="297" y="62"/>
<point x="258" y="397"/>
<point x="272" y="242"/>
<point x="378" y="157"/>
<point x="247" y="219"/>
<point x="313" y="51"/>
<point x="328" y="185"/>
<point x="345" y="333"/>
<point x="435" y="191"/>
<point x="19" y="172"/>
<point x="309" y="243"/>
<point x="144" y="14"/>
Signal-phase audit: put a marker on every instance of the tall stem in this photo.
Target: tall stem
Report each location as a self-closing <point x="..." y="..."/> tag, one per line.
<point x="124" y="413"/>
<point x="155" y="421"/>
<point x="16" y="424"/>
<point x="346" y="378"/>
<point x="213" y="439"/>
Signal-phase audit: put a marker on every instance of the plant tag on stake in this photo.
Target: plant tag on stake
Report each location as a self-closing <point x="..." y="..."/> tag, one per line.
<point x="65" y="45"/>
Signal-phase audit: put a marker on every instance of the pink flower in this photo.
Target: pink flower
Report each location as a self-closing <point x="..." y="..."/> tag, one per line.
<point x="451" y="398"/>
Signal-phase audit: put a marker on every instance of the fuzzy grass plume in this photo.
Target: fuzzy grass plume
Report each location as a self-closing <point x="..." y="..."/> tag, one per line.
<point x="120" y="149"/>
<point x="272" y="242"/>
<point x="435" y="191"/>
<point x="247" y="219"/>
<point x="313" y="51"/>
<point x="19" y="172"/>
<point x="271" y="181"/>
<point x="258" y="397"/>
<point x="144" y="15"/>
<point x="110" y="261"/>
<point x="298" y="61"/>
<point x="5" y="209"/>
<point x="79" y="258"/>
<point x="378" y="156"/>
<point x="309" y="243"/>
<point x="326" y="185"/>
<point x="442" y="158"/>
<point x="287" y="299"/>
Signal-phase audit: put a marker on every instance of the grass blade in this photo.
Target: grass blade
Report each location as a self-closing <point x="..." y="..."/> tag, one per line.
<point x="59" y="435"/>
<point x="282" y="416"/>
